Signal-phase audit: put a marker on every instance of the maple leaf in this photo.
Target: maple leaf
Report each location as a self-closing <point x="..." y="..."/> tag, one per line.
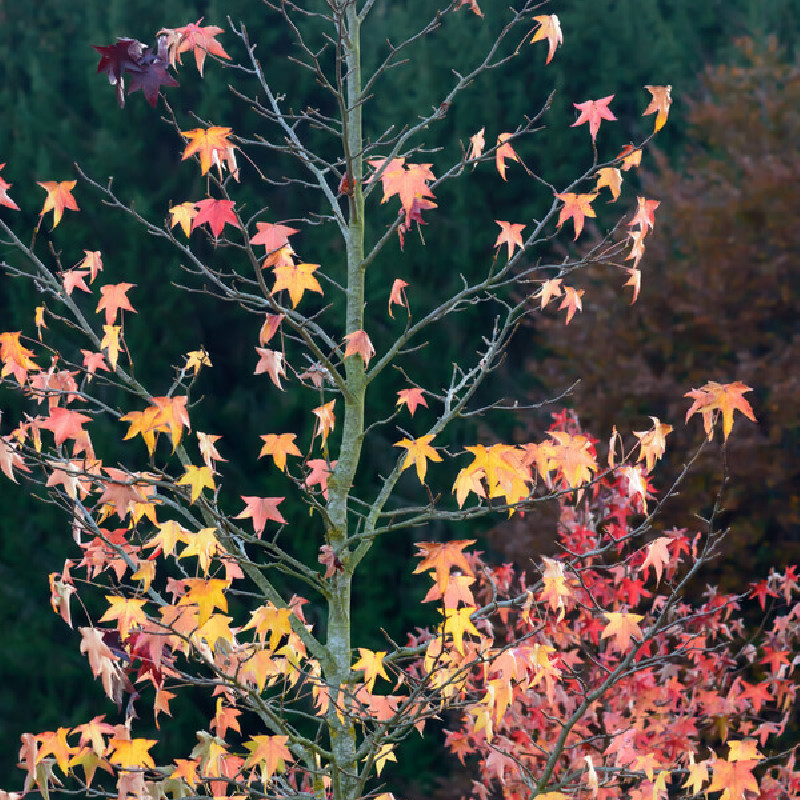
<point x="644" y="216"/>
<point x="208" y="449"/>
<point x="658" y="556"/>
<point x="631" y="157"/>
<point x="328" y="558"/>
<point x="297" y="278"/>
<point x="659" y="104"/>
<point x="273" y="236"/>
<point x="279" y="446"/>
<point x="183" y="215"/>
<point x="271" y="362"/>
<point x="320" y="470"/>
<point x="576" y="207"/>
<point x="55" y="743"/>
<point x="549" y="290"/>
<point x="5" y="200"/>
<point x="411" y="398"/>
<point x="198" y="478"/>
<point x="73" y="279"/>
<point x="260" y="509"/>
<point x="206" y="594"/>
<point x="15" y="356"/>
<point x="622" y="626"/>
<point x="723" y="397"/>
<point x="572" y="302"/>
<point x="211" y="144"/>
<point x="200" y="40"/>
<point x="92" y="261"/>
<point x="418" y="451"/>
<point x="65" y="424"/>
<point x="146" y="69"/>
<point x="476" y="144"/>
<point x="113" y="298"/>
<point x="127" y="611"/>
<point x="510" y="235"/>
<point x="475" y="9"/>
<point x="372" y="664"/>
<point x="111" y="343"/>
<point x="196" y="359"/>
<point x="594" y="112"/>
<point x="10" y="458"/>
<point x="217" y="213"/>
<point x="358" y="344"/>
<point x="398" y="295"/>
<point x="457" y="622"/>
<point x="652" y="443"/>
<point x="269" y="328"/>
<point x="269" y="753"/>
<point x="59" y="197"/>
<point x="408" y="181"/>
<point x="504" y="151"/>
<point x="325" y="420"/>
<point x="550" y="29"/>
<point x="203" y="544"/>
<point x="573" y="456"/>
<point x="131" y="753"/>
<point x="733" y="779"/>
<point x="611" y="177"/>
<point x="441" y="557"/>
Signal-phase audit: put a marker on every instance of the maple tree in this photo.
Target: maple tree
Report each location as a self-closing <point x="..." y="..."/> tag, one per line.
<point x="589" y="673"/>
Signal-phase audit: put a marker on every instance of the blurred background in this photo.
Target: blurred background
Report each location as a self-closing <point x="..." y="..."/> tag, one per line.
<point x="719" y="299"/>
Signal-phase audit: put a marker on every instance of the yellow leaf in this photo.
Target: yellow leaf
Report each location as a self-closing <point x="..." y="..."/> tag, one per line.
<point x="418" y="451"/>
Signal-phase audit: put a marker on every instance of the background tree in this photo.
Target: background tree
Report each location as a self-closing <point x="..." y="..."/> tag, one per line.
<point x="718" y="299"/>
<point x="296" y="710"/>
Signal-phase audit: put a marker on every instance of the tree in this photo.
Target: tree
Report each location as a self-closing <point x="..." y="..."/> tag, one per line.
<point x="191" y="578"/>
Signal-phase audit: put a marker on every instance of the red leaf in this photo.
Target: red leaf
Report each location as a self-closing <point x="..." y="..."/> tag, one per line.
<point x="217" y="213"/>
<point x="594" y="112"/>
<point x="260" y="509"/>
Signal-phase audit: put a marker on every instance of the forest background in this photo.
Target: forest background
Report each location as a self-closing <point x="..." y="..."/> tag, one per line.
<point x="719" y="297"/>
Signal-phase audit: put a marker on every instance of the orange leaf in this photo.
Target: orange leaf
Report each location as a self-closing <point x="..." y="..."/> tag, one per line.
<point x="510" y="235"/>
<point x="723" y="397"/>
<point x="550" y="29"/>
<point x="59" y="197"/>
<point x="325" y="420"/>
<point x="297" y="278"/>
<point x="398" y="295"/>
<point x="269" y="753"/>
<point x="504" y="151"/>
<point x="127" y="612"/>
<point x="418" y="451"/>
<point x="594" y="112"/>
<point x="644" y="216"/>
<point x="199" y="40"/>
<point x="183" y="215"/>
<point x="441" y="557"/>
<point x="659" y="104"/>
<point x="476" y="145"/>
<point x="279" y="446"/>
<point x="211" y="144"/>
<point x="113" y="298"/>
<point x="260" y="509"/>
<point x="611" y="177"/>
<point x="622" y="626"/>
<point x="5" y="200"/>
<point x="408" y="181"/>
<point x="271" y="362"/>
<point x="572" y="302"/>
<point x="131" y="753"/>
<point x="576" y="207"/>
<point x="411" y="398"/>
<point x="652" y="443"/>
<point x="358" y="344"/>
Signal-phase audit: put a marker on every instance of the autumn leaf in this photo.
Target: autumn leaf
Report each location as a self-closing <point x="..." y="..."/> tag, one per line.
<point x="260" y="509"/>
<point x="320" y="471"/>
<point x="113" y="297"/>
<point x="127" y="611"/>
<point x="631" y="157"/>
<point x="652" y="443"/>
<point x="297" y="279"/>
<point x="477" y="142"/>
<point x="183" y="215"/>
<point x="271" y="362"/>
<point x="408" y="181"/>
<point x="594" y="112"/>
<point x="15" y="356"/>
<point x="457" y="622"/>
<point x="59" y="197"/>
<point x="622" y="627"/>
<point x="200" y="40"/>
<point x="147" y="69"/>
<point x="397" y="296"/>
<point x="723" y="397"/>
<point x="65" y="423"/>
<point x="550" y="29"/>
<point x="610" y="177"/>
<point x="131" y="753"/>
<point x="510" y="235"/>
<point x="549" y="290"/>
<point x="411" y="398"/>
<point x="195" y="359"/>
<point x="417" y="453"/>
<point x="269" y="753"/>
<point x="576" y="207"/>
<point x="659" y="104"/>
<point x="271" y="324"/>
<point x="733" y="779"/>
<point x="5" y="200"/>
<point x="372" y="664"/>
<point x="73" y="279"/>
<point x="441" y="557"/>
<point x="504" y="151"/>
<point x="206" y="595"/>
<point x="358" y="344"/>
<point x="211" y="144"/>
<point x="279" y="446"/>
<point x="573" y="456"/>
<point x="644" y="216"/>
<point x="217" y="213"/>
<point x="198" y="478"/>
<point x="325" y="420"/>
<point x="273" y="236"/>
<point x="203" y="544"/>
<point x="572" y="302"/>
<point x="658" y="557"/>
